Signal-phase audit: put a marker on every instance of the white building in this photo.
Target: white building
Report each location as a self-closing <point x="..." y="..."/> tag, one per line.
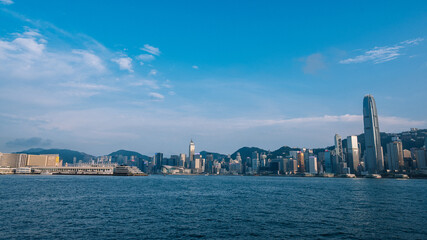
<point x="312" y="162"/>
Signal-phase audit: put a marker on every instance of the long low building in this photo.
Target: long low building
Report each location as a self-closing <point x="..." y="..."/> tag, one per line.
<point x="18" y="160"/>
<point x="75" y="170"/>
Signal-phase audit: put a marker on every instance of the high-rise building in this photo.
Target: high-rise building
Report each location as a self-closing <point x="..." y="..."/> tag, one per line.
<point x="300" y="159"/>
<point x="209" y="163"/>
<point x="182" y="160"/>
<point x="238" y="157"/>
<point x="421" y="156"/>
<point x="255" y="161"/>
<point x="158" y="161"/>
<point x="312" y="162"/>
<point x="328" y="163"/>
<point x="395" y="155"/>
<point x="191" y="151"/>
<point x="339" y="155"/>
<point x="374" y="160"/>
<point x="352" y="153"/>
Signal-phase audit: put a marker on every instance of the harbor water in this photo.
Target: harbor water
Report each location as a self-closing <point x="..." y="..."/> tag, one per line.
<point x="211" y="207"/>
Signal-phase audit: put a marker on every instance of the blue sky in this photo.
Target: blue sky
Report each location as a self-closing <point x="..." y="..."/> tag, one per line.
<point x="98" y="76"/>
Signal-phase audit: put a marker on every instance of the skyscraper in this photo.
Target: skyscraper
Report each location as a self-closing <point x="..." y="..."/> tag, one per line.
<point x="395" y="155"/>
<point x="339" y="155"/>
<point x="158" y="160"/>
<point x="374" y="157"/>
<point x="300" y="158"/>
<point x="191" y="151"/>
<point x="353" y="153"/>
<point x="312" y="162"/>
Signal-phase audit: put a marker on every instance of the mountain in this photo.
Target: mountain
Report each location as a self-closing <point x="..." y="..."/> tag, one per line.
<point x="247" y="152"/>
<point x="215" y="155"/>
<point x="65" y="154"/>
<point x="283" y="151"/>
<point x="128" y="154"/>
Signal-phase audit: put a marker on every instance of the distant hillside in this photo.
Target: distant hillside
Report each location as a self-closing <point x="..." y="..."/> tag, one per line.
<point x="215" y="155"/>
<point x="65" y="154"/>
<point x="247" y="152"/>
<point x="128" y="154"/>
<point x="283" y="151"/>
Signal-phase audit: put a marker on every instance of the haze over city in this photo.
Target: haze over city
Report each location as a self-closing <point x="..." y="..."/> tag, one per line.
<point x="153" y="76"/>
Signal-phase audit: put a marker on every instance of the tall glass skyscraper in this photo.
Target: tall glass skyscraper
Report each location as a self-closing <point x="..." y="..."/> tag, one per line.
<point x="373" y="152"/>
<point x="191" y="151"/>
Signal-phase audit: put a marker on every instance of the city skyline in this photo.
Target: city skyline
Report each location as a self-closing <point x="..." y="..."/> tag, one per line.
<point x="75" y="79"/>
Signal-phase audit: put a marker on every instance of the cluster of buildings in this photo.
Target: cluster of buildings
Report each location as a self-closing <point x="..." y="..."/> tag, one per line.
<point x="342" y="159"/>
<point x="348" y="156"/>
<point x="21" y="163"/>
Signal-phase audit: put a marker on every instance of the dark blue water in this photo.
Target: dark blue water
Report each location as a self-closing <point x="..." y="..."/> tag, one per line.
<point x="211" y="207"/>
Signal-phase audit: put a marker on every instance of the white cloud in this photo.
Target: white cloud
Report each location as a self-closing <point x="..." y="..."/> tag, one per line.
<point x="151" y="49"/>
<point x="91" y="59"/>
<point x="145" y="57"/>
<point x="382" y="54"/>
<point x="156" y="96"/>
<point x="125" y="63"/>
<point x="316" y="131"/>
<point x="314" y="63"/>
<point x="148" y="83"/>
<point x="195" y="67"/>
<point x="153" y="72"/>
<point x="89" y="86"/>
<point x="6" y="2"/>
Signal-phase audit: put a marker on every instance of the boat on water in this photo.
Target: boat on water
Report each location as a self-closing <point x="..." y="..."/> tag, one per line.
<point x="373" y="176"/>
<point x="348" y="175"/>
<point x="401" y="176"/>
<point x="46" y="173"/>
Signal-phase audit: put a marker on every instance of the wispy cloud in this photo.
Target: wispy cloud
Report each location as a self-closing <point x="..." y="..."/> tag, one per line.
<point x="145" y="57"/>
<point x="151" y="49"/>
<point x="156" y="96"/>
<point x="382" y="54"/>
<point x="28" y="142"/>
<point x="314" y="63"/>
<point x="153" y="72"/>
<point x="91" y="59"/>
<point x="125" y="63"/>
<point x="89" y="86"/>
<point x="6" y="2"/>
<point x="195" y="67"/>
<point x="147" y="83"/>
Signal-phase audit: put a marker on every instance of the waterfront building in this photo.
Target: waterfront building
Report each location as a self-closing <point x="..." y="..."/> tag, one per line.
<point x="13" y="160"/>
<point x="421" y="156"/>
<point x="255" y="162"/>
<point x="238" y="157"/>
<point x="263" y="160"/>
<point x="328" y="163"/>
<point x="182" y="160"/>
<point x="300" y="159"/>
<point x="374" y="159"/>
<point x="307" y="154"/>
<point x="395" y="155"/>
<point x="209" y="163"/>
<point x="313" y="164"/>
<point x="293" y="166"/>
<point x="158" y="160"/>
<point x="293" y="154"/>
<point x="352" y="153"/>
<point x="339" y="155"/>
<point x="174" y="160"/>
<point x="18" y="160"/>
<point x="191" y="152"/>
